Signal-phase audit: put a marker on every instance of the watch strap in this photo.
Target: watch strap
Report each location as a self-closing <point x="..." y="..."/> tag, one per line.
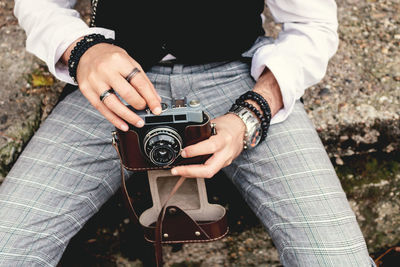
<point x="253" y="126"/>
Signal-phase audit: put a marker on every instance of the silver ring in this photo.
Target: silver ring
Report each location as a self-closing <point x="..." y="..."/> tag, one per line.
<point x="106" y="93"/>
<point x="132" y="74"/>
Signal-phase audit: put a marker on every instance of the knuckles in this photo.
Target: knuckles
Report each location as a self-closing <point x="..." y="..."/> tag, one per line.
<point x="83" y="85"/>
<point x="228" y="138"/>
<point x="229" y="162"/>
<point x="140" y="105"/>
<point x="125" y="94"/>
<point x="102" y="66"/>
<point x="213" y="147"/>
<point x="117" y="56"/>
<point x="140" y="84"/>
<point x="96" y="104"/>
<point x="91" y="78"/>
<point x="209" y="173"/>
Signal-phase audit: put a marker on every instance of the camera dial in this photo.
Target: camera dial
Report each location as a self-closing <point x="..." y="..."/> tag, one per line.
<point x="162" y="145"/>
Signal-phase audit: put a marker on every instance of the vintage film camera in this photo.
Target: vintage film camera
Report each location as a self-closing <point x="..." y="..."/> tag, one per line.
<point x="159" y="142"/>
<point x="181" y="212"/>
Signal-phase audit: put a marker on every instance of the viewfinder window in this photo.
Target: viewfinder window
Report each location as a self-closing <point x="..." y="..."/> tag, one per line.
<point x="159" y="119"/>
<point x="180" y="117"/>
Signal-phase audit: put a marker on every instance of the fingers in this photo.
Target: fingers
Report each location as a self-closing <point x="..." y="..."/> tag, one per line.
<point x="115" y="105"/>
<point x="105" y="111"/>
<point x="105" y="66"/>
<point x="206" y="147"/>
<point x="128" y="93"/>
<point x="145" y="88"/>
<point x="214" y="145"/>
<point x="206" y="170"/>
<point x="133" y="62"/>
<point x="111" y="117"/>
<point x="112" y="108"/>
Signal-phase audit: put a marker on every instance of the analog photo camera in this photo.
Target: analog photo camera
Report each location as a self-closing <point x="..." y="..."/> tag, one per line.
<point x="159" y="142"/>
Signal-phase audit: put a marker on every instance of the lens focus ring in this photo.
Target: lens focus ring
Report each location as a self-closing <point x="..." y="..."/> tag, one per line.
<point x="162" y="145"/>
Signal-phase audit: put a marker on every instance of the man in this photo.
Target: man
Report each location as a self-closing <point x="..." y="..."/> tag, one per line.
<point x="210" y="50"/>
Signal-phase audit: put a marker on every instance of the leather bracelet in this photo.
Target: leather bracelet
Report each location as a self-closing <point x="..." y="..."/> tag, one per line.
<point x="81" y="47"/>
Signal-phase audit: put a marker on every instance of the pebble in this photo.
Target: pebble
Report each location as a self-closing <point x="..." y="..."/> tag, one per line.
<point x="339" y="161"/>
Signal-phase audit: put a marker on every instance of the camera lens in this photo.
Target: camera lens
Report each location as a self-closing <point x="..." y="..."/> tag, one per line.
<point x="162" y="145"/>
<point x="162" y="155"/>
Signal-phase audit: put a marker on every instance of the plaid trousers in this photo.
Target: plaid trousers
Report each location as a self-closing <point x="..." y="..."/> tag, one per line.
<point x="69" y="169"/>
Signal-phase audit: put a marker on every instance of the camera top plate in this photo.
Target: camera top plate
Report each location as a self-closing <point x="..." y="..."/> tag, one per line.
<point x="178" y="111"/>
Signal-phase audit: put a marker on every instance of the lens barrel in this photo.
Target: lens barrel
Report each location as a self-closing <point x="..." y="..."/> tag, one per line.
<point x="162" y="145"/>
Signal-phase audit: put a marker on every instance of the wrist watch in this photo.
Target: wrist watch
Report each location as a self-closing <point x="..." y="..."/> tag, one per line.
<point x="253" y="126"/>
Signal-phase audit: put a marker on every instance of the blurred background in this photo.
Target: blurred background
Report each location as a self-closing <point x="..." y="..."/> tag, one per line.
<point x="355" y="109"/>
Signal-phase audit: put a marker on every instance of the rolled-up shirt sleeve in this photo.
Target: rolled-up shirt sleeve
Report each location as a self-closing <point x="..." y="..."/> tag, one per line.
<point x="51" y="26"/>
<point x="299" y="56"/>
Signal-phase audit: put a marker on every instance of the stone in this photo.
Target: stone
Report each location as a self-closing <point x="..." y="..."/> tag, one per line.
<point x="21" y="109"/>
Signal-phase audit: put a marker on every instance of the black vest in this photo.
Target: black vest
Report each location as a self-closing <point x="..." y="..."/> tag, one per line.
<point x="193" y="31"/>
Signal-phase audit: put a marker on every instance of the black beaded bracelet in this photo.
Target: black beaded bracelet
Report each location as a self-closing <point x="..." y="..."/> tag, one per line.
<point x="264" y="118"/>
<point x="81" y="47"/>
<point x="260" y="101"/>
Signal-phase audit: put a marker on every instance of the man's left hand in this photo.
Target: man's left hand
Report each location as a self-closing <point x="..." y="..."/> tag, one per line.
<point x="225" y="146"/>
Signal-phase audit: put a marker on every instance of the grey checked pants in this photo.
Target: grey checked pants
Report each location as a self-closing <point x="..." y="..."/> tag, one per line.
<point x="69" y="169"/>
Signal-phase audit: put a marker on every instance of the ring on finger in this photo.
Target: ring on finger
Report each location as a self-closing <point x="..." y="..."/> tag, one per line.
<point x="106" y="93"/>
<point x="132" y="74"/>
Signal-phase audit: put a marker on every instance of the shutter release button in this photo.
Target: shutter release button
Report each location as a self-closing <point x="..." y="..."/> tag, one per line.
<point x="194" y="103"/>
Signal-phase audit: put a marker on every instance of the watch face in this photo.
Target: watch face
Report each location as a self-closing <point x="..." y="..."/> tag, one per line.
<point x="255" y="138"/>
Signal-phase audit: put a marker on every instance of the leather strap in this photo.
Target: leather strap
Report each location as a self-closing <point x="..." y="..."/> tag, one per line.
<point x="157" y="244"/>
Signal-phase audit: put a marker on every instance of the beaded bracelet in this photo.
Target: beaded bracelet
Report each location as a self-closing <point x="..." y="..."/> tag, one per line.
<point x="81" y="47"/>
<point x="264" y="118"/>
<point x="260" y="101"/>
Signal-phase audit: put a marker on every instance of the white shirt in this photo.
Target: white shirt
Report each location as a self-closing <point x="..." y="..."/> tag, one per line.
<point x="298" y="58"/>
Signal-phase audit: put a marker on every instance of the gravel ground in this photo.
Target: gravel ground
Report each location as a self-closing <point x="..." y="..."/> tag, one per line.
<point x="356" y="106"/>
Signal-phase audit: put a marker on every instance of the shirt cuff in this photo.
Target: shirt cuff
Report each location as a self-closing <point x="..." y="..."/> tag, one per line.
<point x="60" y="70"/>
<point x="285" y="73"/>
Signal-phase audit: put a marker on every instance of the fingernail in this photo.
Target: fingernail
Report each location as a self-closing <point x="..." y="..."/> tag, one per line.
<point x="183" y="153"/>
<point x="157" y="110"/>
<point x="124" y="127"/>
<point x="174" y="172"/>
<point x="140" y="124"/>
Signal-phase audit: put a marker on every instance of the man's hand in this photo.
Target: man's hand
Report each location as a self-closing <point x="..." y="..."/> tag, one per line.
<point x="225" y="147"/>
<point x="227" y="144"/>
<point x="105" y="66"/>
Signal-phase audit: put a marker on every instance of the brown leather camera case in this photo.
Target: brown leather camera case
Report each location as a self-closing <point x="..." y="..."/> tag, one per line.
<point x="133" y="159"/>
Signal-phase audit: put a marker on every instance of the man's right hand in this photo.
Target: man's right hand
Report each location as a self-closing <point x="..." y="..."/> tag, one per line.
<point x="105" y="66"/>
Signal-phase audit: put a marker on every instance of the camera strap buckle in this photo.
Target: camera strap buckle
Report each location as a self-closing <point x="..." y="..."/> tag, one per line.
<point x="114" y="138"/>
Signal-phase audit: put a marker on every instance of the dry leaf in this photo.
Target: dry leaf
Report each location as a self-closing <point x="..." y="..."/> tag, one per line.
<point x="42" y="80"/>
